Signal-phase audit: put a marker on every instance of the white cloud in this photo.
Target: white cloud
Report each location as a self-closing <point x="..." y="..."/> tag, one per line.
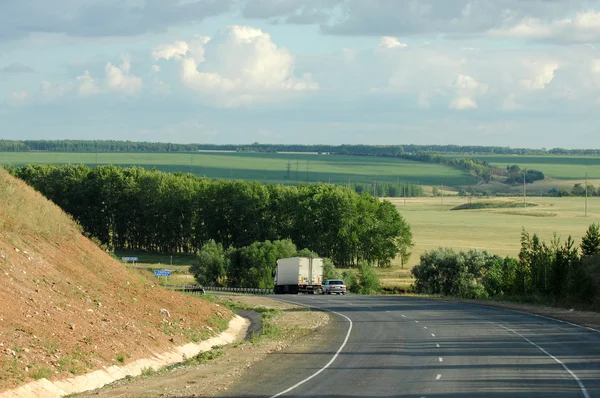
<point x="168" y="51"/>
<point x="462" y="103"/>
<point x="584" y="27"/>
<point x="440" y="74"/>
<point x="19" y="96"/>
<point x="52" y="91"/>
<point x="119" y="79"/>
<point x="390" y="42"/>
<point x="87" y="85"/>
<point x="542" y="74"/>
<point x="466" y="89"/>
<point x="240" y="66"/>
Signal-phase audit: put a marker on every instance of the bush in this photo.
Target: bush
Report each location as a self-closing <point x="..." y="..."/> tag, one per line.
<point x="351" y="281"/>
<point x="329" y="271"/>
<point x="443" y="271"/>
<point x="368" y="281"/>
<point x="210" y="267"/>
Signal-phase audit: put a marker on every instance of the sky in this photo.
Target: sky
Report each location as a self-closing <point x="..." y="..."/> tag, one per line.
<point x="514" y="73"/>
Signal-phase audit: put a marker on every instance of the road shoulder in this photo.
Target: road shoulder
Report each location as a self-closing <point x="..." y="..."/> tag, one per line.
<point x="229" y="366"/>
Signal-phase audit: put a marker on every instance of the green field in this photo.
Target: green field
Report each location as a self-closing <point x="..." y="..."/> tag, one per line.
<point x="555" y="166"/>
<point x="265" y="167"/>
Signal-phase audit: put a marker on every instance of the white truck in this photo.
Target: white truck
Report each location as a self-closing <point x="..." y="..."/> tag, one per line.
<point x="298" y="275"/>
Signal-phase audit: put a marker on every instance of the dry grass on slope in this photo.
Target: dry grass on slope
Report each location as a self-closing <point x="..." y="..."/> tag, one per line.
<point x="68" y="308"/>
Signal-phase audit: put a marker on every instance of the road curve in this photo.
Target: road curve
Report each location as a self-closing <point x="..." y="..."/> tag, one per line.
<point x="413" y="347"/>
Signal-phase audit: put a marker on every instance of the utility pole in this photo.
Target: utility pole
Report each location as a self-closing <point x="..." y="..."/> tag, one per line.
<point x="524" y="191"/>
<point x="307" y="162"/>
<point x="586" y="195"/>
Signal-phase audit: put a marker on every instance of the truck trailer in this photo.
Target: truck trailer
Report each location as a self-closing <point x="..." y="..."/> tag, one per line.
<point x="298" y="275"/>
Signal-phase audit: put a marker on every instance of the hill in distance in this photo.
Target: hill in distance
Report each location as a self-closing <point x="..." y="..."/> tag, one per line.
<point x="68" y="308"/>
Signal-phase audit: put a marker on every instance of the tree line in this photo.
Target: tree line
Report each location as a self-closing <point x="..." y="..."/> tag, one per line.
<point x="577" y="190"/>
<point x="556" y="271"/>
<point x="390" y="190"/>
<point x="516" y="176"/>
<point x="363" y="150"/>
<point x="253" y="266"/>
<point x="139" y="209"/>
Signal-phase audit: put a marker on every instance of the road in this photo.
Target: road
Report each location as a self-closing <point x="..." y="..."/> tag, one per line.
<point x="414" y="347"/>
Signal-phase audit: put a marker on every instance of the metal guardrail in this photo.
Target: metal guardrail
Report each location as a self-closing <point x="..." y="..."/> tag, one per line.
<point x="202" y="289"/>
<point x="251" y="290"/>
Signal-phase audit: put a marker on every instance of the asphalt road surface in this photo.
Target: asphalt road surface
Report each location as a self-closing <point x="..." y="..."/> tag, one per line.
<point x="413" y="347"/>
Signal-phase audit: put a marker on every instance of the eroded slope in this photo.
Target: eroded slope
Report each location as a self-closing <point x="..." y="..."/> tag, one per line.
<point x="67" y="307"/>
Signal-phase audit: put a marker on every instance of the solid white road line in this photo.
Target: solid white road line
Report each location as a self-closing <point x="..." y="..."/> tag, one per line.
<point x="328" y="363"/>
<point x="432" y="335"/>
<point x="417" y="321"/>
<point x="581" y="386"/>
<point x="403" y="316"/>
<point x="438" y="377"/>
<point x="425" y="327"/>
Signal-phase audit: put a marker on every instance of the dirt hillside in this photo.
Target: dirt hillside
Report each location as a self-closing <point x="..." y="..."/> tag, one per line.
<point x="67" y="307"/>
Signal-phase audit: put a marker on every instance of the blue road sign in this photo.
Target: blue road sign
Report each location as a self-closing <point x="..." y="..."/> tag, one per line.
<point x="129" y="258"/>
<point x="162" y="272"/>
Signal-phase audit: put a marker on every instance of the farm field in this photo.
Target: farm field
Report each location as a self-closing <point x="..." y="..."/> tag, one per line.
<point x="555" y="166"/>
<point x="497" y="230"/>
<point x="264" y="167"/>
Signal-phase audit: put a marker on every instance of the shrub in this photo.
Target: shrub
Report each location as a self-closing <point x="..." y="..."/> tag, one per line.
<point x="368" y="281"/>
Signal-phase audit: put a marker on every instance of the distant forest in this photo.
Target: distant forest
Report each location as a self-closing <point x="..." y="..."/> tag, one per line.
<point x="357" y="150"/>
